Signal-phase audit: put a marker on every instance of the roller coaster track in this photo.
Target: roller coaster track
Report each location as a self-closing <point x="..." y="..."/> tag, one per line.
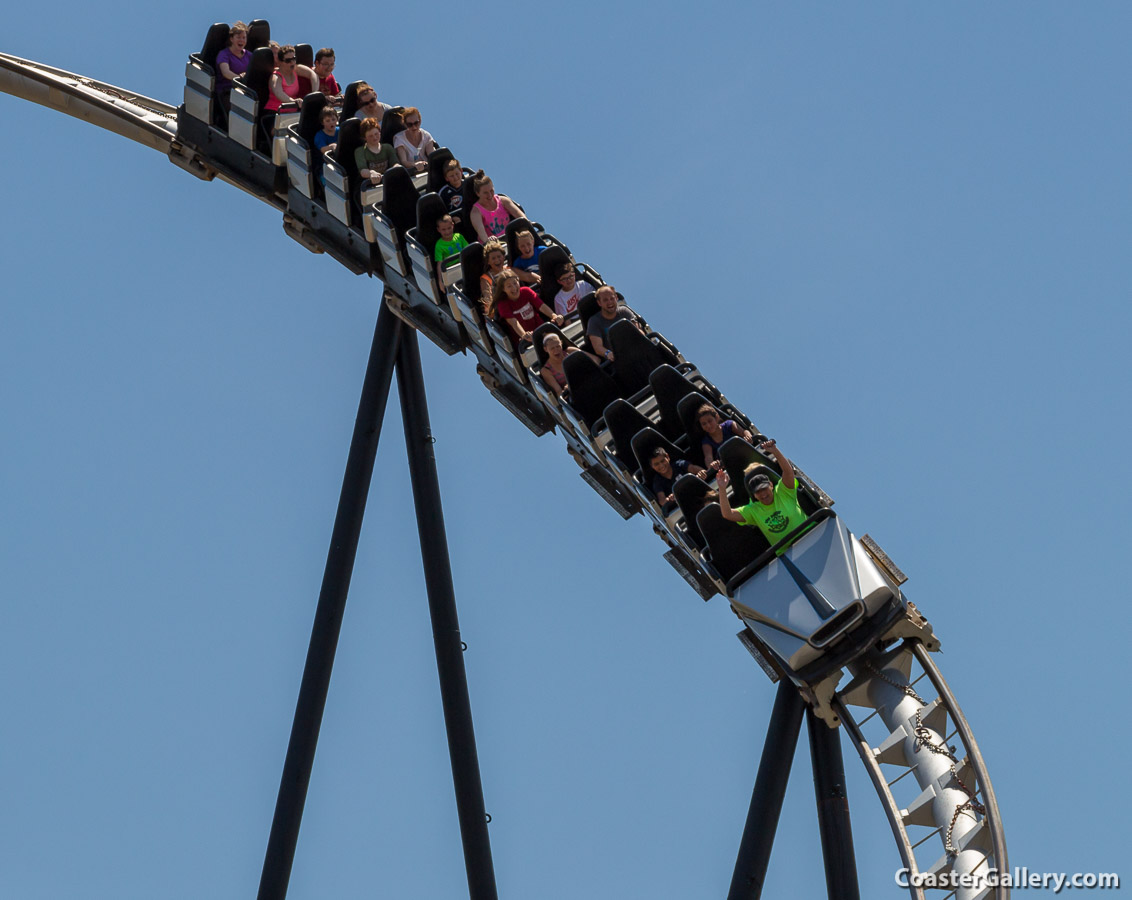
<point x="911" y="723"/>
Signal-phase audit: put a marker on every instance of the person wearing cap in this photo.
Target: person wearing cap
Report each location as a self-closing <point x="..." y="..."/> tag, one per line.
<point x="774" y="508"/>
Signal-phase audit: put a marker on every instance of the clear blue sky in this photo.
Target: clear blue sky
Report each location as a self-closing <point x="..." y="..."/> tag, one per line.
<point x="897" y="235"/>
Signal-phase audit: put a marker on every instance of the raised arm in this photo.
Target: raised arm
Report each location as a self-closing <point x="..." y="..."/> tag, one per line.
<point x="721" y="482"/>
<point x="788" y="479"/>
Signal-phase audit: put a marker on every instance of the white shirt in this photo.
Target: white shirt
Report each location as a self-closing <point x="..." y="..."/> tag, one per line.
<point x="564" y="303"/>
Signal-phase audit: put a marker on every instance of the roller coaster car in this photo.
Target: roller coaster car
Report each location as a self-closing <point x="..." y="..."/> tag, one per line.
<point x="821" y="602"/>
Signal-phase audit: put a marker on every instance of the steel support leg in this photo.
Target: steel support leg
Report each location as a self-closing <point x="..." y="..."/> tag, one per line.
<point x="766" y="800"/>
<point x="331" y="605"/>
<point x="445" y="624"/>
<point x="833" y="810"/>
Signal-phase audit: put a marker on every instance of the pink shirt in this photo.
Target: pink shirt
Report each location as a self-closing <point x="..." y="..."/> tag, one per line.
<point x="291" y="90"/>
<point x="494" y="221"/>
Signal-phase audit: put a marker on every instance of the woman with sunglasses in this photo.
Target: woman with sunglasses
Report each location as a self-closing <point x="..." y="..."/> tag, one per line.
<point x="285" y="84"/>
<point x="414" y="144"/>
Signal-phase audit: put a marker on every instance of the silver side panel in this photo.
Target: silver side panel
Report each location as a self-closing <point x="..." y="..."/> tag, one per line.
<point x="337" y="190"/>
<point x="299" y="166"/>
<point x="241" y="119"/>
<point x="199" y="85"/>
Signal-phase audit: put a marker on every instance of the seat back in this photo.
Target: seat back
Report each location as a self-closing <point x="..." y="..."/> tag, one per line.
<point x="304" y="55"/>
<point x="645" y="442"/>
<point x="471" y="264"/>
<point x="399" y="201"/>
<point x="549" y="262"/>
<point x="732" y="546"/>
<point x="636" y="356"/>
<point x="692" y="494"/>
<point x="513" y="228"/>
<point x="429" y="208"/>
<point x="436" y="162"/>
<point x="304" y="161"/>
<point x="249" y="95"/>
<point x="591" y="390"/>
<point x="670" y="387"/>
<point x="200" y="77"/>
<point x="625" y="423"/>
<point x="540" y="335"/>
<point x="392" y="124"/>
<point x="350" y="100"/>
<point x="259" y="34"/>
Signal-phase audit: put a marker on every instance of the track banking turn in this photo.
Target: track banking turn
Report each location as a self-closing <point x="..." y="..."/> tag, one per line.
<point x="821" y="608"/>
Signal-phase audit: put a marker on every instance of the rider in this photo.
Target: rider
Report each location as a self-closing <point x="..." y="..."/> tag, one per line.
<point x="774" y="508"/>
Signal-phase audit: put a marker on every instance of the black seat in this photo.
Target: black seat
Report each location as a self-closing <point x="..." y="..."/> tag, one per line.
<point x="429" y="208"/>
<point x="549" y="262"/>
<point x="350" y="100"/>
<point x="436" y="162"/>
<point x="591" y="390"/>
<point x="732" y="546"/>
<point x="625" y="422"/>
<point x="392" y="124"/>
<point x="399" y="199"/>
<point x="635" y="356"/>
<point x="670" y="387"/>
<point x="257" y="79"/>
<point x="349" y="140"/>
<point x="310" y="124"/>
<point x="691" y="495"/>
<point x="215" y="41"/>
<point x="471" y="265"/>
<point x="539" y="336"/>
<point x="259" y="34"/>
<point x="304" y="56"/>
<point x="644" y="444"/>
<point x="513" y="228"/>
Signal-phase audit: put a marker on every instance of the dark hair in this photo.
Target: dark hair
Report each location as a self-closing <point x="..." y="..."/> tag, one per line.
<point x="657" y="450"/>
<point x="325" y="51"/>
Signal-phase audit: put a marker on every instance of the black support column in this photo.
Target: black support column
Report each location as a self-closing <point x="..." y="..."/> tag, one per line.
<point x="445" y="624"/>
<point x="331" y="605"/>
<point x="770" y="789"/>
<point x="833" y="810"/>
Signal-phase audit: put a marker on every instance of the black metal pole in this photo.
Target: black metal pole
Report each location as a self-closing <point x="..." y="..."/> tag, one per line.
<point x="766" y="800"/>
<point x="833" y="810"/>
<point x="445" y="624"/>
<point x="328" y="615"/>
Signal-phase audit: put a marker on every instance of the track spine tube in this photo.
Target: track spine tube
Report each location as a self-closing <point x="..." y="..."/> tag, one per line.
<point x="284" y="836"/>
<point x="445" y="624"/>
<point x="766" y="799"/>
<point x="833" y="810"/>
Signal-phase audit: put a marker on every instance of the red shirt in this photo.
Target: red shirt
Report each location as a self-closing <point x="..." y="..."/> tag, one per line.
<point x="525" y="309"/>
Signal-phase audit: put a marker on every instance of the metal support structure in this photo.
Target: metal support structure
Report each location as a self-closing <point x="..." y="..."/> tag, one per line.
<point x="445" y="624"/>
<point x="770" y="789"/>
<point x="331" y="605"/>
<point x="833" y="810"/>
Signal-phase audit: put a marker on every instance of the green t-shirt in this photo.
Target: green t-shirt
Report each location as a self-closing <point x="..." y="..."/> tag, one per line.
<point x="779" y="518"/>
<point x="445" y="249"/>
<point x="379" y="162"/>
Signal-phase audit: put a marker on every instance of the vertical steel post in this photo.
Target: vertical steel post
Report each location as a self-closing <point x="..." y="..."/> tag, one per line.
<point x="770" y="789"/>
<point x="833" y="810"/>
<point x="445" y="624"/>
<point x="331" y="605"/>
